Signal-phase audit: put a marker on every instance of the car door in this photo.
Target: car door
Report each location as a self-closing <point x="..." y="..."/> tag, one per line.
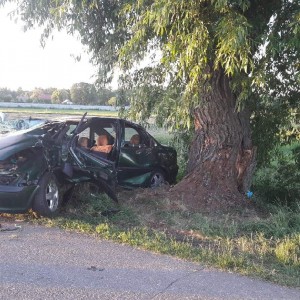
<point x="89" y="166"/>
<point x="137" y="157"/>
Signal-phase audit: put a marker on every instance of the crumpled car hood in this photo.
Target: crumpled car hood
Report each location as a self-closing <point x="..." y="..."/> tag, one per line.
<point x="15" y="142"/>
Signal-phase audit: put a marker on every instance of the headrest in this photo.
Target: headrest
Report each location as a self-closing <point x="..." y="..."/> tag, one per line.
<point x="102" y="140"/>
<point x="135" y="139"/>
<point x="83" y="141"/>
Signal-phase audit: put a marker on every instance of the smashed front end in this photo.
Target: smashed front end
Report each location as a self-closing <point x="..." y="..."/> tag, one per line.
<point x="20" y="166"/>
<point x="18" y="180"/>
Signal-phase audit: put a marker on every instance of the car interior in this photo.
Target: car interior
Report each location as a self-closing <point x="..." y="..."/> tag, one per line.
<point x="98" y="139"/>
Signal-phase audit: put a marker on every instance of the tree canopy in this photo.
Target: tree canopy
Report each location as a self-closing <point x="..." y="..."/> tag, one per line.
<point x="83" y="93"/>
<point x="59" y="95"/>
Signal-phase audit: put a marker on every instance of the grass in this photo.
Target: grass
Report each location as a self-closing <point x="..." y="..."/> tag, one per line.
<point x="32" y="111"/>
<point x="263" y="245"/>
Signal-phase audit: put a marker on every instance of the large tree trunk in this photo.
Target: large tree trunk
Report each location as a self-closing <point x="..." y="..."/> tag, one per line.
<point x="221" y="158"/>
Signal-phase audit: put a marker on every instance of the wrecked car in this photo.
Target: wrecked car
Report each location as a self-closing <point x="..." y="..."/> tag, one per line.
<point x="38" y="163"/>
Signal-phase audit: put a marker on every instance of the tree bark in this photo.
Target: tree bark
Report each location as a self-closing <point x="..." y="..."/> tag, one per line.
<point x="222" y="157"/>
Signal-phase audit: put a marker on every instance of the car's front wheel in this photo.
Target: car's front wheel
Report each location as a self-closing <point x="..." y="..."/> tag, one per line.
<point x="47" y="200"/>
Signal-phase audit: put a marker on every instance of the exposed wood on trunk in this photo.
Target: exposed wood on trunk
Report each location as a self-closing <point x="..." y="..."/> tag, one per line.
<point x="222" y="158"/>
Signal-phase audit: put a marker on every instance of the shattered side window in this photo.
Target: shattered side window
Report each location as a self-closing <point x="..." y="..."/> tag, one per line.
<point x="71" y="130"/>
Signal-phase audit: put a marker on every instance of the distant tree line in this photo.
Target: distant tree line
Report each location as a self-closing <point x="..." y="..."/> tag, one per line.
<point x="79" y="93"/>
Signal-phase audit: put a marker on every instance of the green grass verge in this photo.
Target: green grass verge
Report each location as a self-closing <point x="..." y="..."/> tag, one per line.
<point x="266" y="247"/>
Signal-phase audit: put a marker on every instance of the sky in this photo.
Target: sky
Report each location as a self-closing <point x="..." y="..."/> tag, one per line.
<point x="25" y="63"/>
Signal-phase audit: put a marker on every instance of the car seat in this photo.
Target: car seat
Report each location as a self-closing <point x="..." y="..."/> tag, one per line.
<point x="102" y="144"/>
<point x="135" y="140"/>
<point x="83" y="142"/>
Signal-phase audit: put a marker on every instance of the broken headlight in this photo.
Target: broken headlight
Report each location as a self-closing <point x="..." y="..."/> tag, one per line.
<point x="8" y="173"/>
<point x="10" y="170"/>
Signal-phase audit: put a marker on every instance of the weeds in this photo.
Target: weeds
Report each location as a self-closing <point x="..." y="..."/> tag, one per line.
<point x="266" y="246"/>
<point x="280" y="180"/>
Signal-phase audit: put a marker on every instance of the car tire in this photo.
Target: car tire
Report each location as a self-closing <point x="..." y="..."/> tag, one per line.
<point x="158" y="178"/>
<point x="47" y="201"/>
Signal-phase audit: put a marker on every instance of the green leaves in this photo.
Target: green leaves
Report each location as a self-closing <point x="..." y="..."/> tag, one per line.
<point x="233" y="51"/>
<point x="193" y="38"/>
<point x="224" y="5"/>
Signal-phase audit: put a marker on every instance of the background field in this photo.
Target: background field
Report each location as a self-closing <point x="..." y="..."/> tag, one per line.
<point x="42" y="112"/>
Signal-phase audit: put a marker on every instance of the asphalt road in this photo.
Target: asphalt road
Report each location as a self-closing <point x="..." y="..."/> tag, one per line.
<point x="48" y="263"/>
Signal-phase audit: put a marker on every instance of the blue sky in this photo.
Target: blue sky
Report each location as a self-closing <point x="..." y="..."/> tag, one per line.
<point x="24" y="63"/>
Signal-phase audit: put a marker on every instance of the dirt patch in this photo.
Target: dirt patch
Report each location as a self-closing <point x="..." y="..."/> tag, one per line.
<point x="150" y="203"/>
<point x="184" y="200"/>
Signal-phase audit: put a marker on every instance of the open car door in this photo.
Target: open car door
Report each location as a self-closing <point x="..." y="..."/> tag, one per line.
<point x="89" y="166"/>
